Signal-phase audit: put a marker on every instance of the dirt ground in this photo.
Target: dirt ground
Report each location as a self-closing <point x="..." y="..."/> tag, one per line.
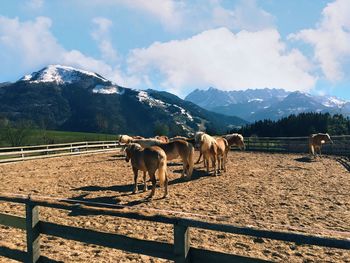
<point x="271" y="191"/>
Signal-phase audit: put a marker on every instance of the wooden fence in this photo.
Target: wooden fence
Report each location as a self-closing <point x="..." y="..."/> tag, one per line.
<point x="340" y="146"/>
<point x="11" y="154"/>
<point x="179" y="251"/>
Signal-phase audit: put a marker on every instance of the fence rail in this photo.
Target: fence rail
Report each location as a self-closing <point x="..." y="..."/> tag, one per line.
<point x="340" y="146"/>
<point x="11" y="154"/>
<point x="179" y="251"/>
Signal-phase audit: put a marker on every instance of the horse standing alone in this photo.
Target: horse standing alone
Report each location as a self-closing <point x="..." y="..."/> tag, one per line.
<point x="235" y="139"/>
<point x="316" y="141"/>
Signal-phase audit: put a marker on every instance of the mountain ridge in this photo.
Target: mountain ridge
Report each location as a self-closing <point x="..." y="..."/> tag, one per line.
<point x="65" y="98"/>
<point x="258" y="104"/>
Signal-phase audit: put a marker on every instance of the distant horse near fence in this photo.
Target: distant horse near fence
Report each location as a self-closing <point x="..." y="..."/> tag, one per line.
<point x="235" y="139"/>
<point x="316" y="141"/>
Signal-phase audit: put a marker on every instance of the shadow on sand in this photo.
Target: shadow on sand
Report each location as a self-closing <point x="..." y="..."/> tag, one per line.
<point x="113" y="201"/>
<point x="306" y="159"/>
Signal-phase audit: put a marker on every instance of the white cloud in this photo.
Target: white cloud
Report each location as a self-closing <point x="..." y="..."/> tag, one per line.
<point x="101" y="34"/>
<point x="30" y="45"/>
<point x="330" y="39"/>
<point x="168" y="12"/>
<point x="34" y="4"/>
<point x="246" y="15"/>
<point x="197" y="15"/>
<point x="224" y="60"/>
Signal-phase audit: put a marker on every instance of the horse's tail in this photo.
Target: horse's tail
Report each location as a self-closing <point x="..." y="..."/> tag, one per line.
<point x="190" y="160"/>
<point x="162" y="173"/>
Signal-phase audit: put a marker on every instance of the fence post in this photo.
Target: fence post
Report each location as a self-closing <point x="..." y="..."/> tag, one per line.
<point x="181" y="243"/>
<point x="32" y="232"/>
<point x="22" y="153"/>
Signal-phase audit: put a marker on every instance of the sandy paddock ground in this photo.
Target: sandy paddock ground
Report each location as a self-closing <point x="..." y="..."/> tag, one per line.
<point x="271" y="191"/>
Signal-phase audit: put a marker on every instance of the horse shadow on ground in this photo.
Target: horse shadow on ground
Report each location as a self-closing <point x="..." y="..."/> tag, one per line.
<point x="114" y="188"/>
<point x="305" y="159"/>
<point x="127" y="188"/>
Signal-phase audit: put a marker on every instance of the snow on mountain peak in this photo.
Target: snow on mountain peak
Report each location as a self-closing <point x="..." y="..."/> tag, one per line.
<point x="60" y="74"/>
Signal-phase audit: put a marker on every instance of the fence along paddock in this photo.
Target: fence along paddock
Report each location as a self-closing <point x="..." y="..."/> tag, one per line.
<point x="11" y="154"/>
<point x="340" y="146"/>
<point x="179" y="251"/>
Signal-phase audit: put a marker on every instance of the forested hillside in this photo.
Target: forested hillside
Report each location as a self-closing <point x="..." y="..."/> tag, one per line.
<point x="299" y="125"/>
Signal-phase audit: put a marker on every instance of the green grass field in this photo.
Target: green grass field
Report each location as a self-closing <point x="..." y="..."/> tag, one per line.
<point x="37" y="137"/>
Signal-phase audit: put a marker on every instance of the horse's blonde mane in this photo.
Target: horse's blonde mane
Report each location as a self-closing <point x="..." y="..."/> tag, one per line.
<point x="207" y="141"/>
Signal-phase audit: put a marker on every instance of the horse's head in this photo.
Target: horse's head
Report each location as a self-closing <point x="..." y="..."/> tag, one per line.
<point x="130" y="149"/>
<point x="328" y="138"/>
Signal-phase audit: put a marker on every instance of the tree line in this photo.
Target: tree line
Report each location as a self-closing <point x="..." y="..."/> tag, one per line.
<point x="302" y="124"/>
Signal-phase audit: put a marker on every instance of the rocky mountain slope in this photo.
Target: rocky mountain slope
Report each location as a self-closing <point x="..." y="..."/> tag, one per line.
<point x="65" y="98"/>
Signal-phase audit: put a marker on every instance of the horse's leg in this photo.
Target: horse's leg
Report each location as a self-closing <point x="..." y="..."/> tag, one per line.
<point x="219" y="163"/>
<point x="166" y="185"/>
<point x="136" y="171"/>
<point x="200" y="155"/>
<point x="214" y="164"/>
<point x="154" y="182"/>
<point x="144" y="181"/>
<point x="184" y="166"/>
<point x="206" y="161"/>
<point x="225" y="160"/>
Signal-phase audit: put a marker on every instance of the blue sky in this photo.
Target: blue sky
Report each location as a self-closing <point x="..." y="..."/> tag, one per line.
<point x="179" y="45"/>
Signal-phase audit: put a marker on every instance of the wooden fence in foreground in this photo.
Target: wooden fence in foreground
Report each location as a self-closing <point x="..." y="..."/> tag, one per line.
<point x="12" y="154"/>
<point x="340" y="146"/>
<point x="179" y="251"/>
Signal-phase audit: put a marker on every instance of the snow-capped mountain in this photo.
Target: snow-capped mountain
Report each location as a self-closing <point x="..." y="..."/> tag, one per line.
<point x="66" y="98"/>
<point x="266" y="103"/>
<point x="61" y="75"/>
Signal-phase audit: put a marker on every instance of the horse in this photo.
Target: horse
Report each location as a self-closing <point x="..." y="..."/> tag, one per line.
<point x="189" y="140"/>
<point x="223" y="149"/>
<point x="173" y="150"/>
<point x="149" y="160"/>
<point x="162" y="138"/>
<point x="182" y="149"/>
<point x="235" y="139"/>
<point x="197" y="137"/>
<point x="137" y="137"/>
<point x="316" y="141"/>
<point x="148" y="142"/>
<point x="125" y="139"/>
<point x="209" y="149"/>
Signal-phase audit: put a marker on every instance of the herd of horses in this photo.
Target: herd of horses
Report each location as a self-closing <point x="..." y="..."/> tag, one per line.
<point x="150" y="155"/>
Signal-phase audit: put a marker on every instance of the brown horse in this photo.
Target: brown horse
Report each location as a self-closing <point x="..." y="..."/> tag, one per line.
<point x="125" y="138"/>
<point x="162" y="138"/>
<point x="181" y="149"/>
<point x="197" y="137"/>
<point x="209" y="149"/>
<point x="149" y="160"/>
<point x="235" y="139"/>
<point x="223" y="149"/>
<point x="316" y="141"/>
<point x="174" y="150"/>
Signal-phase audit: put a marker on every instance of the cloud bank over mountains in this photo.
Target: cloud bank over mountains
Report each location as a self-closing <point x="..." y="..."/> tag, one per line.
<point x="230" y="47"/>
